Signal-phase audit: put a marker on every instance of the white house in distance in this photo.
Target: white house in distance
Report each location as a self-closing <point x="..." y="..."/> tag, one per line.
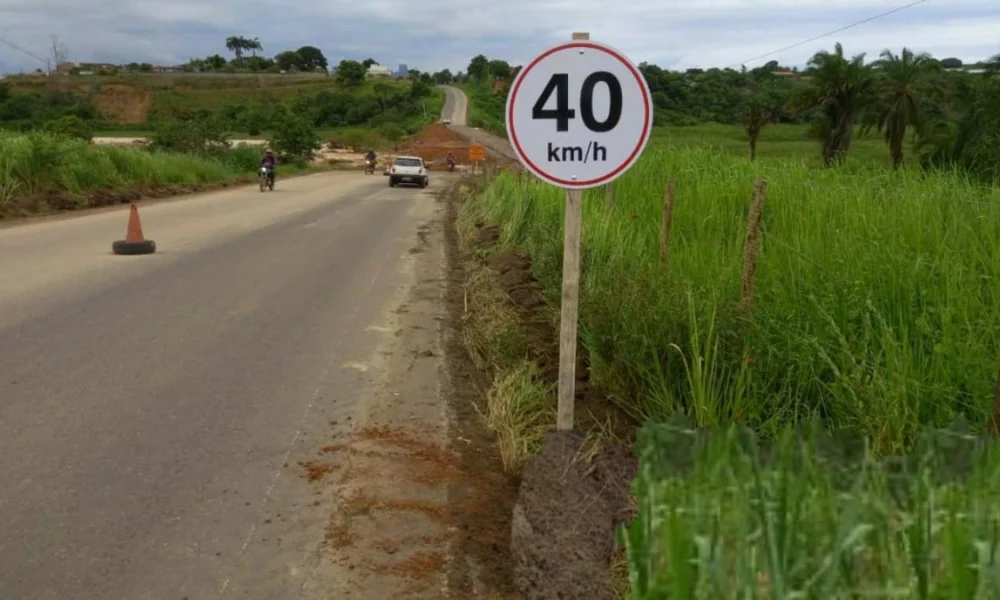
<point x="377" y="70"/>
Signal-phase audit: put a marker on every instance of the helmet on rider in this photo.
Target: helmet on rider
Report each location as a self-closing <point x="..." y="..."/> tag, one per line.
<point x="268" y="152"/>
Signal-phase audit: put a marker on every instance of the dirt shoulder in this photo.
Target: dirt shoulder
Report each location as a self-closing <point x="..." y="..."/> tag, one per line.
<point x="419" y="504"/>
<point x="575" y="486"/>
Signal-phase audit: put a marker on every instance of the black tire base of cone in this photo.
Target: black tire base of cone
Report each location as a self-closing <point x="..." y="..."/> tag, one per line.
<point x="121" y="247"/>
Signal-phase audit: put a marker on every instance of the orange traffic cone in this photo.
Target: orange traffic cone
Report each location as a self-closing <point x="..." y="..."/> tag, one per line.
<point x="134" y="242"/>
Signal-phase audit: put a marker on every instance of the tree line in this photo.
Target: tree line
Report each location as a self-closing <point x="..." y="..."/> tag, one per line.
<point x="952" y="113"/>
<point x="303" y="59"/>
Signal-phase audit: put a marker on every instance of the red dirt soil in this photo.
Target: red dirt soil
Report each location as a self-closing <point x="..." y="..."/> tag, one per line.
<point x="434" y="143"/>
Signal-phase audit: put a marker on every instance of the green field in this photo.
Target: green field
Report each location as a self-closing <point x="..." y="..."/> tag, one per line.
<point x="876" y="310"/>
<point x="775" y="142"/>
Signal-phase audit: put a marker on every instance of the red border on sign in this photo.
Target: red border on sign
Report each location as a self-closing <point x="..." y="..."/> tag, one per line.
<point x="645" y="100"/>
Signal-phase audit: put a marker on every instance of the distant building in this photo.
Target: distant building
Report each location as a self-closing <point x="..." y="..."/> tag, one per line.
<point x="98" y="66"/>
<point x="379" y="71"/>
<point x="404" y="71"/>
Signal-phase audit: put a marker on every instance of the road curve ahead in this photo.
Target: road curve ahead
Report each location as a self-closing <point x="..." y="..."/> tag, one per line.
<point x="153" y="408"/>
<point x="457" y="105"/>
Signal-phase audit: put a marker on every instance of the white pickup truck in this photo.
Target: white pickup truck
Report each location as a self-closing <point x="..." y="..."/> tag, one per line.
<point x="408" y="169"/>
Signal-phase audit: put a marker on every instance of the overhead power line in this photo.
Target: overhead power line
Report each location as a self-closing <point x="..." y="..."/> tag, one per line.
<point x="23" y="51"/>
<point x="819" y="37"/>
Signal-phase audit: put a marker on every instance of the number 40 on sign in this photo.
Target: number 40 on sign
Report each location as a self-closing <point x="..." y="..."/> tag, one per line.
<point x="578" y="116"/>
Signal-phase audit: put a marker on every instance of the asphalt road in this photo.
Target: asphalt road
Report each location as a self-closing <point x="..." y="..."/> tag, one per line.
<point x="153" y="408"/>
<point x="456" y="104"/>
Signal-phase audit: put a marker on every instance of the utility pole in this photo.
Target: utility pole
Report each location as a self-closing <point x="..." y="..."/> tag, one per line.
<point x="59" y="54"/>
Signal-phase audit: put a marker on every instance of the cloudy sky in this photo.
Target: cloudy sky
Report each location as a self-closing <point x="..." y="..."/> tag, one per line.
<point x="435" y="34"/>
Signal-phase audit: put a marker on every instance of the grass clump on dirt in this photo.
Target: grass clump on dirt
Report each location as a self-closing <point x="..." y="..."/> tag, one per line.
<point x="519" y="410"/>
<point x="519" y="406"/>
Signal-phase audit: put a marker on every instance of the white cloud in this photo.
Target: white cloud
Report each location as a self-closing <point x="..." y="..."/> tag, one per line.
<point x="433" y="34"/>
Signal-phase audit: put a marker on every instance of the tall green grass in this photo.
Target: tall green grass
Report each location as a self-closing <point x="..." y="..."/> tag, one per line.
<point x="811" y="517"/>
<point x="38" y="163"/>
<point x="877" y="304"/>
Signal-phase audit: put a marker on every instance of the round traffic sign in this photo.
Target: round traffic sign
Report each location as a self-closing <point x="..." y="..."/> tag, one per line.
<point x="579" y="115"/>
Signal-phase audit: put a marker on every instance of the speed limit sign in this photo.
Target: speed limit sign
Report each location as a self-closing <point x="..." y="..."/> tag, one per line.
<point x="579" y="115"/>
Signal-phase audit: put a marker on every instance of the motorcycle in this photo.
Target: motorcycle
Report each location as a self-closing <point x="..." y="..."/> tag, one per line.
<point x="451" y="164"/>
<point x="266" y="179"/>
<point x="369" y="167"/>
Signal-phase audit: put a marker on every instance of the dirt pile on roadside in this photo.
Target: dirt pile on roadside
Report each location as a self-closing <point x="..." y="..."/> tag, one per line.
<point x="434" y="143"/>
<point x="563" y="531"/>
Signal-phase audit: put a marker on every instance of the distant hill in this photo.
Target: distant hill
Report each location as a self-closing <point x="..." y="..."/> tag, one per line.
<point x="135" y="98"/>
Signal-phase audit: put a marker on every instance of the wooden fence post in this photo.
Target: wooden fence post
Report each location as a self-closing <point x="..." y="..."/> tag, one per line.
<point x="752" y="246"/>
<point x="668" y="218"/>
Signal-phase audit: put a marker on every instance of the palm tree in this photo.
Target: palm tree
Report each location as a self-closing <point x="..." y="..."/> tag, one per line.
<point x="236" y="44"/>
<point x="841" y="89"/>
<point x="901" y="97"/>
<point x="956" y="131"/>
<point x="254" y="46"/>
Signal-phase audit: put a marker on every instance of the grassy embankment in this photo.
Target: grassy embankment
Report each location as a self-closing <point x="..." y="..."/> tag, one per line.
<point x="485" y="109"/>
<point x="41" y="173"/>
<point x="131" y="105"/>
<point x="876" y="309"/>
<point x="170" y="93"/>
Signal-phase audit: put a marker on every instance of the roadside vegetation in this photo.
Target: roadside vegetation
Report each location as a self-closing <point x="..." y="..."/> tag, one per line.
<point x="190" y="115"/>
<point x="387" y="110"/>
<point x="47" y="172"/>
<point x="872" y="313"/>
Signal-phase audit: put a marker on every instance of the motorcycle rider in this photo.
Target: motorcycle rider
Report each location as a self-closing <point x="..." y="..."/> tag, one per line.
<point x="269" y="162"/>
<point x="451" y="160"/>
<point x="370" y="157"/>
